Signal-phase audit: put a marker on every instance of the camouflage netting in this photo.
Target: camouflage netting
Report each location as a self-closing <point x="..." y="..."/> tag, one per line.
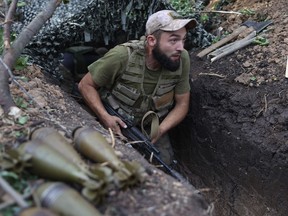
<point x="94" y="22"/>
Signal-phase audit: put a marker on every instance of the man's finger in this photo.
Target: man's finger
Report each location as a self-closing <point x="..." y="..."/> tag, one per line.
<point x="122" y="124"/>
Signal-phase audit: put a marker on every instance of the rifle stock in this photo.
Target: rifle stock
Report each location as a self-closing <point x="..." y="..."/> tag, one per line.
<point x="134" y="134"/>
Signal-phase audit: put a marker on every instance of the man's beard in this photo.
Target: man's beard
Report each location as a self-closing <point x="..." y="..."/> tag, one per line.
<point x="164" y="60"/>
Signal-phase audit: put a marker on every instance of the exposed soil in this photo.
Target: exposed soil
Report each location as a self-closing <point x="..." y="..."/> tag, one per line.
<point x="237" y="126"/>
<point x="238" y="120"/>
<point x="159" y="194"/>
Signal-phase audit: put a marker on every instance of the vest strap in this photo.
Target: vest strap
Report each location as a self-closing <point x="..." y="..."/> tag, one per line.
<point x="154" y="129"/>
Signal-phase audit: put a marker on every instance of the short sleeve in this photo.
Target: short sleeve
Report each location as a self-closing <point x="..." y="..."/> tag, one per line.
<point x="105" y="70"/>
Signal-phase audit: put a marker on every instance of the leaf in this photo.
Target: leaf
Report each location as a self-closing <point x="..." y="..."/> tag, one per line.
<point x="22" y="120"/>
<point x="21" y="62"/>
<point x="261" y="41"/>
<point x="11" y="175"/>
<point x="21" y="4"/>
<point x="246" y="11"/>
<point x="20" y="102"/>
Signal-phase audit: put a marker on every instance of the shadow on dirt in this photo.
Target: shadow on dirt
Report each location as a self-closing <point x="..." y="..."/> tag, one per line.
<point x="233" y="142"/>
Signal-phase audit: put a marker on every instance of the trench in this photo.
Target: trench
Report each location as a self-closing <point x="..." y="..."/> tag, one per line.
<point x="238" y="177"/>
<point x="217" y="159"/>
<point x="221" y="165"/>
<point x="232" y="173"/>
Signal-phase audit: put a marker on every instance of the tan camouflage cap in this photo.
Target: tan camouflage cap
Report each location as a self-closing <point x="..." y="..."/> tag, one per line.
<point x="168" y="20"/>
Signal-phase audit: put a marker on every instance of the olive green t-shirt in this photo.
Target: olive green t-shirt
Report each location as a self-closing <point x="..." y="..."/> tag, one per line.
<point x="108" y="68"/>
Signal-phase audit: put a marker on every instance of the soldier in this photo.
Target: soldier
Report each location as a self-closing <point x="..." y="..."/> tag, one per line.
<point x="150" y="74"/>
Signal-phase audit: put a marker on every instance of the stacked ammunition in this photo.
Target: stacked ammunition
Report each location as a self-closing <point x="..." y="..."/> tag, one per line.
<point x="92" y="165"/>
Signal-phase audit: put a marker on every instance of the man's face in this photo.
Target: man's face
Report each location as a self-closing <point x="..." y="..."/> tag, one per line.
<point x="168" y="48"/>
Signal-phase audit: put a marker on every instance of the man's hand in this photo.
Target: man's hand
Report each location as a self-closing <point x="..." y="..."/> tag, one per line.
<point x="160" y="133"/>
<point x="114" y="123"/>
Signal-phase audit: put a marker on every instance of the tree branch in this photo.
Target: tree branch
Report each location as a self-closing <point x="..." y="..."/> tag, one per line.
<point x="7" y="24"/>
<point x="29" y="31"/>
<point x="13" y="52"/>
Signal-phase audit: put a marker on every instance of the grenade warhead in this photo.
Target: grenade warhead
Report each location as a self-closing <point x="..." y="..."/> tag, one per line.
<point x="94" y="145"/>
<point x="64" y="200"/>
<point x="53" y="138"/>
<point x="48" y="162"/>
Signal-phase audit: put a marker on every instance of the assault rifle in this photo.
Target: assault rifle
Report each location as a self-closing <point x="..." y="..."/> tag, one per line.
<point x="145" y="147"/>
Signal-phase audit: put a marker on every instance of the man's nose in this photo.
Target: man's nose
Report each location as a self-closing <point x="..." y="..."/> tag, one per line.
<point x="180" y="46"/>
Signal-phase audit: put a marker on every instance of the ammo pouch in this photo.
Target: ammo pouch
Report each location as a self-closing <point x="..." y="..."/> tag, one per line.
<point x="163" y="101"/>
<point x="124" y="93"/>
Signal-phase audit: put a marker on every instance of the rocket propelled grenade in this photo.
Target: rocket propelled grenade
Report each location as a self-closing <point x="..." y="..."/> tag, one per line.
<point x="64" y="200"/>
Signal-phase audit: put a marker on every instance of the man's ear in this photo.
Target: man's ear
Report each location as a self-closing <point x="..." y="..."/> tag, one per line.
<point x="151" y="40"/>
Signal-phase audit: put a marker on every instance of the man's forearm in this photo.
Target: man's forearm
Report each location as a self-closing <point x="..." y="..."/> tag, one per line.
<point x="177" y="114"/>
<point x="174" y="117"/>
<point x="93" y="100"/>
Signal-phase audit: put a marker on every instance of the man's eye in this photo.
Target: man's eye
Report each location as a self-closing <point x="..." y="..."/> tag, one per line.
<point x="173" y="40"/>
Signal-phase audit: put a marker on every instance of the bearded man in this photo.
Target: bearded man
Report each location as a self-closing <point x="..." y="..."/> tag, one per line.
<point x="144" y="77"/>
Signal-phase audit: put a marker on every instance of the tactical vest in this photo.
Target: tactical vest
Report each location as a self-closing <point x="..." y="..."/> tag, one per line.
<point x="128" y="94"/>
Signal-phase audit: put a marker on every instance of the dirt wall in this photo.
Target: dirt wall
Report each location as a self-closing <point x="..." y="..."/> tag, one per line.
<point x="236" y="153"/>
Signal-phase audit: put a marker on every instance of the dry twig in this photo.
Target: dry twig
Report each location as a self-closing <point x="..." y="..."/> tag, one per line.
<point x="112" y="137"/>
<point x="266" y="104"/>
<point x="222" y="12"/>
<point x="14" y="194"/>
<point x="212" y="74"/>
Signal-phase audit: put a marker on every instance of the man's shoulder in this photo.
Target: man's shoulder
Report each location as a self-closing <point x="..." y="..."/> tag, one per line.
<point x="119" y="50"/>
<point x="116" y="54"/>
<point x="134" y="45"/>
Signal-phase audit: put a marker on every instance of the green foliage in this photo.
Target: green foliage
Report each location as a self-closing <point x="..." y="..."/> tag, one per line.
<point x="20" y="183"/>
<point x="219" y="4"/>
<point x="22" y="120"/>
<point x="20" y="102"/>
<point x="21" y="62"/>
<point x="261" y="41"/>
<point x="19" y="134"/>
<point x="21" y="4"/>
<point x="246" y="11"/>
<point x="204" y="18"/>
<point x="11" y="211"/>
<point x="216" y="39"/>
<point x="183" y="7"/>
<point x="66" y="1"/>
